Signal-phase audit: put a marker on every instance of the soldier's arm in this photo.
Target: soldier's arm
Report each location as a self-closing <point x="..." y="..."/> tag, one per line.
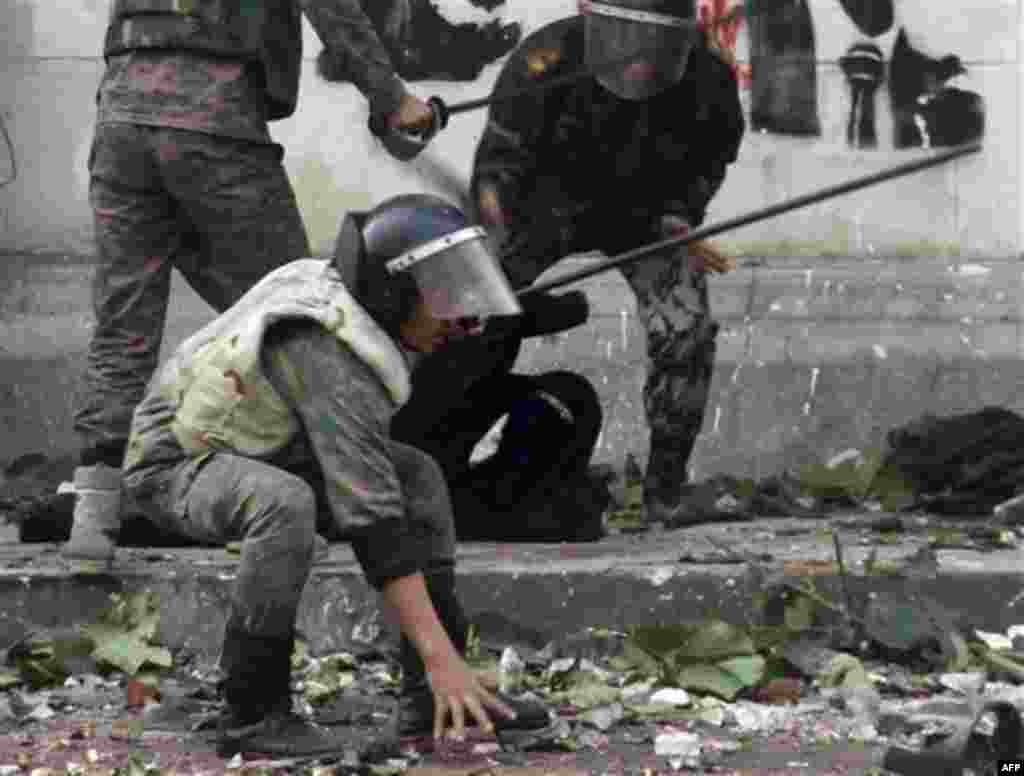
<point x="344" y="27"/>
<point x="689" y="194"/>
<point x="345" y="413"/>
<point x="507" y="156"/>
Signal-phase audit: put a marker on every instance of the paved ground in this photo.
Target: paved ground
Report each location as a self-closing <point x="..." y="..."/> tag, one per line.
<point x="527" y="596"/>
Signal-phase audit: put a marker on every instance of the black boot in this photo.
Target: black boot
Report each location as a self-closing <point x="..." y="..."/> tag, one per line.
<point x="257" y="688"/>
<point x="415" y="715"/>
<point x="666" y="478"/>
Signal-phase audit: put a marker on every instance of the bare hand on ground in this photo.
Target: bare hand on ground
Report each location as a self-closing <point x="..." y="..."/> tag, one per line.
<point x="457" y="690"/>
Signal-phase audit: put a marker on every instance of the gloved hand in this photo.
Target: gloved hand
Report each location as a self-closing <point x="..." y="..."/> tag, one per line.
<point x="413" y="115"/>
<point x="406" y="132"/>
<point x="542" y="314"/>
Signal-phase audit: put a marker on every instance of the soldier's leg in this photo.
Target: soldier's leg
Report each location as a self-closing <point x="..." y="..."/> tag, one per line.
<point x="136" y="234"/>
<point x="306" y="370"/>
<point x="672" y="302"/>
<point x="243" y="216"/>
<point x="273" y="513"/>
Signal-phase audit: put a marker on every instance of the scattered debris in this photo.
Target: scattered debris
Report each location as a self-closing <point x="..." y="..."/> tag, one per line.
<point x="662" y="688"/>
<point x="677" y="744"/>
<point x="510" y="671"/>
<point x="671" y="696"/>
<point x="603" y="717"/>
<point x="711" y="657"/>
<point x="124" y="636"/>
<point x="782" y="690"/>
<point x="969" y="684"/>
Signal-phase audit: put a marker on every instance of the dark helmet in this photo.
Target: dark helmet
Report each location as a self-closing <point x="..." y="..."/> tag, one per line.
<point x="419" y="247"/>
<point x="661" y="33"/>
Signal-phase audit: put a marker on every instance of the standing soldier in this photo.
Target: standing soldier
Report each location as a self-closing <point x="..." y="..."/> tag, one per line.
<point x="303" y="374"/>
<point x="629" y="154"/>
<point x="184" y="174"/>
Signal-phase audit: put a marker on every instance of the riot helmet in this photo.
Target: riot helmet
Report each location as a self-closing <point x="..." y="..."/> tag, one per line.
<point x="639" y="48"/>
<point x="419" y="247"/>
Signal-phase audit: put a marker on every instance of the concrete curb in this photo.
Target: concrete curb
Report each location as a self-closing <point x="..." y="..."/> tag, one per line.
<point x="526" y="594"/>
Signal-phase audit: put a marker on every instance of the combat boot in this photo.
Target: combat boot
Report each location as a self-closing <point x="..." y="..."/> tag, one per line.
<point x="257" y="687"/>
<point x="97" y="517"/>
<point x="665" y="481"/>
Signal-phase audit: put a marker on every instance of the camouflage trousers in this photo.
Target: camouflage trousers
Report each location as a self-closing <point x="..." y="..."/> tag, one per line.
<point x="673" y="307"/>
<point x="274" y="512"/>
<point x="220" y="210"/>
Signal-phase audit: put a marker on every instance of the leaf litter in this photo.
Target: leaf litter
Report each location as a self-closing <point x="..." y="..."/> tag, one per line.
<point x="692" y="691"/>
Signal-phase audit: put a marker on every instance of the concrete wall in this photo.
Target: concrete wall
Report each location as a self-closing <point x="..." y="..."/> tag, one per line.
<point x="814" y="358"/>
<point x="49" y="69"/>
<point x="844" y="319"/>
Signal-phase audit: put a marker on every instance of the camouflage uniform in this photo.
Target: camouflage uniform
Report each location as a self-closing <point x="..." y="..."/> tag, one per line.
<point x="298" y="431"/>
<point x="343" y="470"/>
<point x="184" y="174"/>
<point x="274" y="412"/>
<point x="579" y="169"/>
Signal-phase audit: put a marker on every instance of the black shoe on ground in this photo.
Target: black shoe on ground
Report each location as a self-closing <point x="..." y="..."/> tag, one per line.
<point x="282" y="732"/>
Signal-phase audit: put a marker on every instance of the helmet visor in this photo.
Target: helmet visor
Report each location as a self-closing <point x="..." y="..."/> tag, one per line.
<point x="458" y="277"/>
<point x="636" y="54"/>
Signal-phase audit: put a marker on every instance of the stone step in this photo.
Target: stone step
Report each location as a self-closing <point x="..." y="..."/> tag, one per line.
<point x="528" y="594"/>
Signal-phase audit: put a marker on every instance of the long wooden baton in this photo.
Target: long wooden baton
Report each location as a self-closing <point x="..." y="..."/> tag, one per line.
<point x="632" y="256"/>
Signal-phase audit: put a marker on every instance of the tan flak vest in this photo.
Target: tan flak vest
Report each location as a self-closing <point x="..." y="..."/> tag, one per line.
<point x="225" y="402"/>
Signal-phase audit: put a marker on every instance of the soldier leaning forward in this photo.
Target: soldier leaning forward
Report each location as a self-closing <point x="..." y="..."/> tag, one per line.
<point x="630" y="153"/>
<point x="304" y="373"/>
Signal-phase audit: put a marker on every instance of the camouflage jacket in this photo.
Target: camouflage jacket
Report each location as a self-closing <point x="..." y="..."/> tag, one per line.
<point x="265" y="32"/>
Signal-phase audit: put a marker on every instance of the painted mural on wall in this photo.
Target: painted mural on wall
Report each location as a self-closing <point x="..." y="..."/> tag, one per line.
<point x="425" y="45"/>
<point x="928" y="110"/>
<point x="781" y="72"/>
